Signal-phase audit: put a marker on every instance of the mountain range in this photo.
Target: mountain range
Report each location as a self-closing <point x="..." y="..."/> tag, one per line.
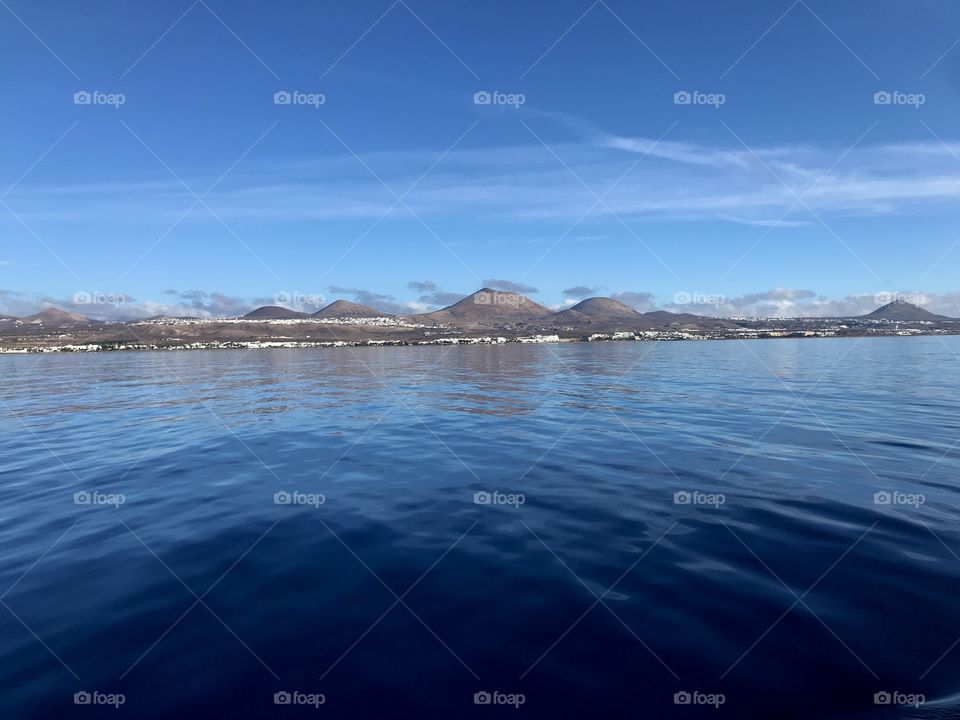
<point x="495" y="308"/>
<point x="337" y="309"/>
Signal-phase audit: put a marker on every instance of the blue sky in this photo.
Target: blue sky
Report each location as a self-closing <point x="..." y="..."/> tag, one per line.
<point x="783" y="187"/>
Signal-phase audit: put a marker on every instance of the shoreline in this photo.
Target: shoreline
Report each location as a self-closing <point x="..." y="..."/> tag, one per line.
<point x="645" y="336"/>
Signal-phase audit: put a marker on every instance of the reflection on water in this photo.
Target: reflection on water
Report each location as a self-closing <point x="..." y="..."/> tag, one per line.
<point x="778" y="578"/>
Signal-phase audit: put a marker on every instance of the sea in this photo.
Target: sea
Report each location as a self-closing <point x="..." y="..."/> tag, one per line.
<point x="712" y="529"/>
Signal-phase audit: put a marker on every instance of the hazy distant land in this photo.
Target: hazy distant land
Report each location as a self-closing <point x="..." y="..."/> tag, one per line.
<point x="486" y="316"/>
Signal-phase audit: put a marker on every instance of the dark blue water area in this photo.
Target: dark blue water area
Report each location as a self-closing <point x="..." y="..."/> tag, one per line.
<point x="768" y="529"/>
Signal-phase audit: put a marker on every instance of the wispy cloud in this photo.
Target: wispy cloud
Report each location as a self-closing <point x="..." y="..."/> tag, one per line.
<point x="766" y="222"/>
<point x="678" y="180"/>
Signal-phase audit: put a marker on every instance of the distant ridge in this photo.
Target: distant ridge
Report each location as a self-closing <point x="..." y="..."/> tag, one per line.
<point x="491" y="306"/>
<point x="599" y="310"/>
<point x="54" y="317"/>
<point x="905" y="312"/>
<point x="347" y="309"/>
<point x="274" y="312"/>
<point x="663" y="319"/>
<point x="154" y="318"/>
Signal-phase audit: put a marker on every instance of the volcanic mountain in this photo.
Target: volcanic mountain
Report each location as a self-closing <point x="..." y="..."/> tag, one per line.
<point x="346" y="309"/>
<point x="599" y="310"/>
<point x="488" y="306"/>
<point x="904" y="312"/>
<point x="54" y="317"/>
<point x="274" y="312"/>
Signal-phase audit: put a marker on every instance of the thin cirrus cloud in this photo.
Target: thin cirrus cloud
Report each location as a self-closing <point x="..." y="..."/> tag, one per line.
<point x="677" y="180"/>
<point x="765" y="222"/>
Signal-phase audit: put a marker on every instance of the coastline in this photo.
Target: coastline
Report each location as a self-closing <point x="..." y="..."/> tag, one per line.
<point x="539" y="339"/>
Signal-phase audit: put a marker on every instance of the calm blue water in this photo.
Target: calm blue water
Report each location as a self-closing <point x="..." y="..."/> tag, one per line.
<point x="791" y="592"/>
